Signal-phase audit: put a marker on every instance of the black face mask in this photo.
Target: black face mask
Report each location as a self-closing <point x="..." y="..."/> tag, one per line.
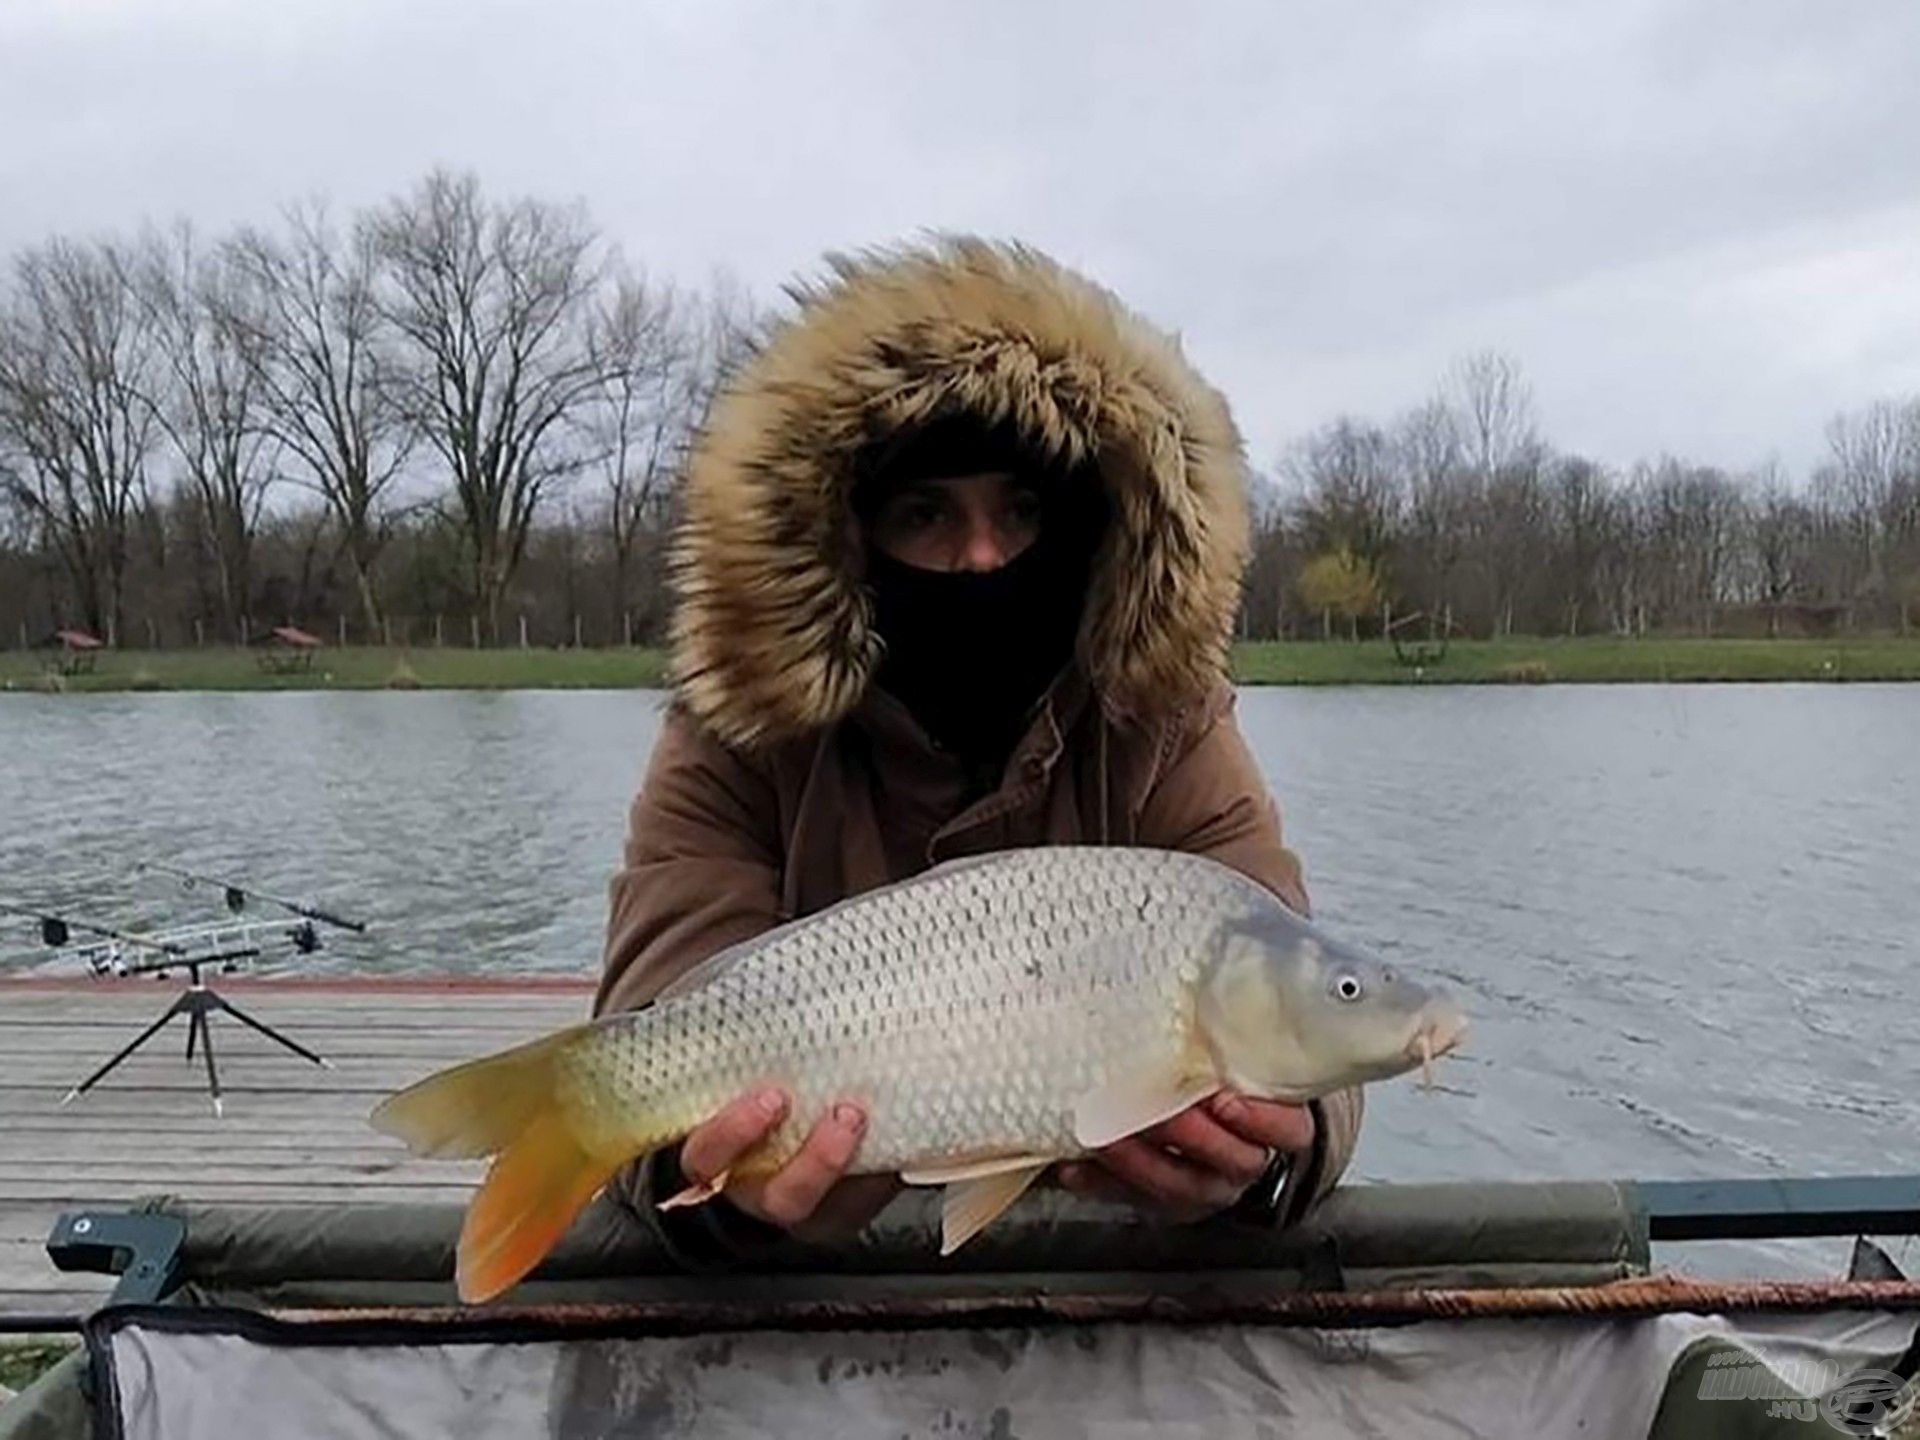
<point x="970" y="653"/>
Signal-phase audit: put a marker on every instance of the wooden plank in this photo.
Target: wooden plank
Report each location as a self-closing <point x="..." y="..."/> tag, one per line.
<point x="76" y="1303"/>
<point x="95" y="1043"/>
<point x="35" y="1285"/>
<point x="220" y="1190"/>
<point x="83" y="1119"/>
<point x="56" y="1145"/>
<point x="292" y="1133"/>
<point x="376" y="1150"/>
<point x="128" y="1175"/>
<point x="120" y="1018"/>
<point x="345" y="987"/>
<point x="237" y="1071"/>
<point x="29" y="1284"/>
<point x="285" y="1103"/>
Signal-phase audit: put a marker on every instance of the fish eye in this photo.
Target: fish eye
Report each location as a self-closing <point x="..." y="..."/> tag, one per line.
<point x="1348" y="987"/>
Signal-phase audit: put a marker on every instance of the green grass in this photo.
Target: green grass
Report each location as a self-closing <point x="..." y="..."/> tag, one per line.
<point x="24" y="1360"/>
<point x="1368" y="662"/>
<point x="354" y="668"/>
<point x="1585" y="660"/>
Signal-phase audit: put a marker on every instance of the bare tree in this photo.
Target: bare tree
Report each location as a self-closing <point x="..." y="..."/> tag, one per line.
<point x="1494" y="406"/>
<point x="491" y="302"/>
<point x="1865" y="446"/>
<point x="1583" y="523"/>
<point x="1780" y="534"/>
<point x="1694" y="515"/>
<point x="729" y="328"/>
<point x="1439" y="502"/>
<point x="1272" y="565"/>
<point x="322" y="355"/>
<point x="643" y="410"/>
<point x="79" y="364"/>
<point x="1873" y="482"/>
<point x="1511" y="534"/>
<point x="211" y="406"/>
<point x="1505" y="456"/>
<point x="1350" y="490"/>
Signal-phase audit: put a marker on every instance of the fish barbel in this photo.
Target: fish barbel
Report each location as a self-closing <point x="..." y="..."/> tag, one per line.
<point x="994" y="1015"/>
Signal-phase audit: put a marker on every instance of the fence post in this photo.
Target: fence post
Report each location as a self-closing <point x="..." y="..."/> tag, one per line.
<point x="626" y="628"/>
<point x="576" y="632"/>
<point x="523" y="632"/>
<point x="343" y="629"/>
<point x="438" y="639"/>
<point x="473" y="627"/>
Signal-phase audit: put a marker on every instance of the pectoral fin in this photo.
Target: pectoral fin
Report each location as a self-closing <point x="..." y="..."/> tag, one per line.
<point x="1133" y="1102"/>
<point x="972" y="1205"/>
<point x="698" y="1193"/>
<point x="956" y="1171"/>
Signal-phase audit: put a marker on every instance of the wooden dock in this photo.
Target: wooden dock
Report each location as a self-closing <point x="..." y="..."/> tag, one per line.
<point x="291" y="1130"/>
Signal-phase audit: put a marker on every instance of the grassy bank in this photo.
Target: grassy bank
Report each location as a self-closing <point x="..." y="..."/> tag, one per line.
<point x="1589" y="660"/>
<point x="23" y="1360"/>
<point x="1302" y="663"/>
<point x="353" y="668"/>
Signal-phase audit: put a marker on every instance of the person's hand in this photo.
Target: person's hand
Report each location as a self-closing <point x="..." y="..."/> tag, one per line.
<point x="810" y="1196"/>
<point x="1197" y="1163"/>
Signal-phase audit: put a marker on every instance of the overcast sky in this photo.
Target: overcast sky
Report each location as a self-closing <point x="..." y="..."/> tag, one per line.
<point x="1696" y="225"/>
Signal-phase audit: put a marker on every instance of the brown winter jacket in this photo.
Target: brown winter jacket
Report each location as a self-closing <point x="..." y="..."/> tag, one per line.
<point x="784" y="780"/>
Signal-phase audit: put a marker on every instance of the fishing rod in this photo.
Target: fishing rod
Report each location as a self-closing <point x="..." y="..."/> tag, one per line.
<point x="237" y="896"/>
<point x="57" y="930"/>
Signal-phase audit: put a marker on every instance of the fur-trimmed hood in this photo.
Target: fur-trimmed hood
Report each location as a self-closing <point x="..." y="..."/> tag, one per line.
<point x="773" y="632"/>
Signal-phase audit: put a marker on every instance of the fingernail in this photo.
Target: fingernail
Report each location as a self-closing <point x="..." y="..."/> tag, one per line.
<point x="1071" y="1177"/>
<point x="851" y="1116"/>
<point x="1228" y="1107"/>
<point x="769" y="1102"/>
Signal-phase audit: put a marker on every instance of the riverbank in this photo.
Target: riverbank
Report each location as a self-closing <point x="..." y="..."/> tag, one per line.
<point x="1368" y="662"/>
<point x="24" y="1358"/>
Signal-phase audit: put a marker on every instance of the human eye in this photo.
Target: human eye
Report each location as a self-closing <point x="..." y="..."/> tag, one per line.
<point x="921" y="512"/>
<point x="912" y="512"/>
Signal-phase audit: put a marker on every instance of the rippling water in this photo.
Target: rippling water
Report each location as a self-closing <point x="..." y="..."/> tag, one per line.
<point x="1684" y="918"/>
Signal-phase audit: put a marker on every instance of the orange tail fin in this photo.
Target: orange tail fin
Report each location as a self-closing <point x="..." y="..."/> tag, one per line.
<point x="532" y="1193"/>
<point x="545" y="1168"/>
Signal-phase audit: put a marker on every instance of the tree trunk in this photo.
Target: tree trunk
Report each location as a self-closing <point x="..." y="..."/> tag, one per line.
<point x="369" y="606"/>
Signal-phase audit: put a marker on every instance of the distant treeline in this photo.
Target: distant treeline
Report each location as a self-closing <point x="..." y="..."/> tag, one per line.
<point x="445" y="410"/>
<point x="1461" y="513"/>
<point x="459" y="419"/>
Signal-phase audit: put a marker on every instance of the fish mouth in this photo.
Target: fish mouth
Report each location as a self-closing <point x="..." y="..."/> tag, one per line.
<point x="1437" y="1031"/>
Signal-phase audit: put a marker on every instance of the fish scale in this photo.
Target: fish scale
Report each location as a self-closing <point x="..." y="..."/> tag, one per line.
<point x="989" y="997"/>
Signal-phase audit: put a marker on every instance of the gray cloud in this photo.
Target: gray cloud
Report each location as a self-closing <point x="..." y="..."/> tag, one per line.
<point x="1693" y="222"/>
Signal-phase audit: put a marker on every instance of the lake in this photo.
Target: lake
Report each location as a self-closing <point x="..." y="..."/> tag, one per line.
<point x="1683" y="918"/>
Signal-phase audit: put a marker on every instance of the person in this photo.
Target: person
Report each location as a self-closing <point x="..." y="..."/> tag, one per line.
<point x="957" y="570"/>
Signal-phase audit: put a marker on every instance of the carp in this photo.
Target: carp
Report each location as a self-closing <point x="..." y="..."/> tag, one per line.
<point x="994" y="1014"/>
